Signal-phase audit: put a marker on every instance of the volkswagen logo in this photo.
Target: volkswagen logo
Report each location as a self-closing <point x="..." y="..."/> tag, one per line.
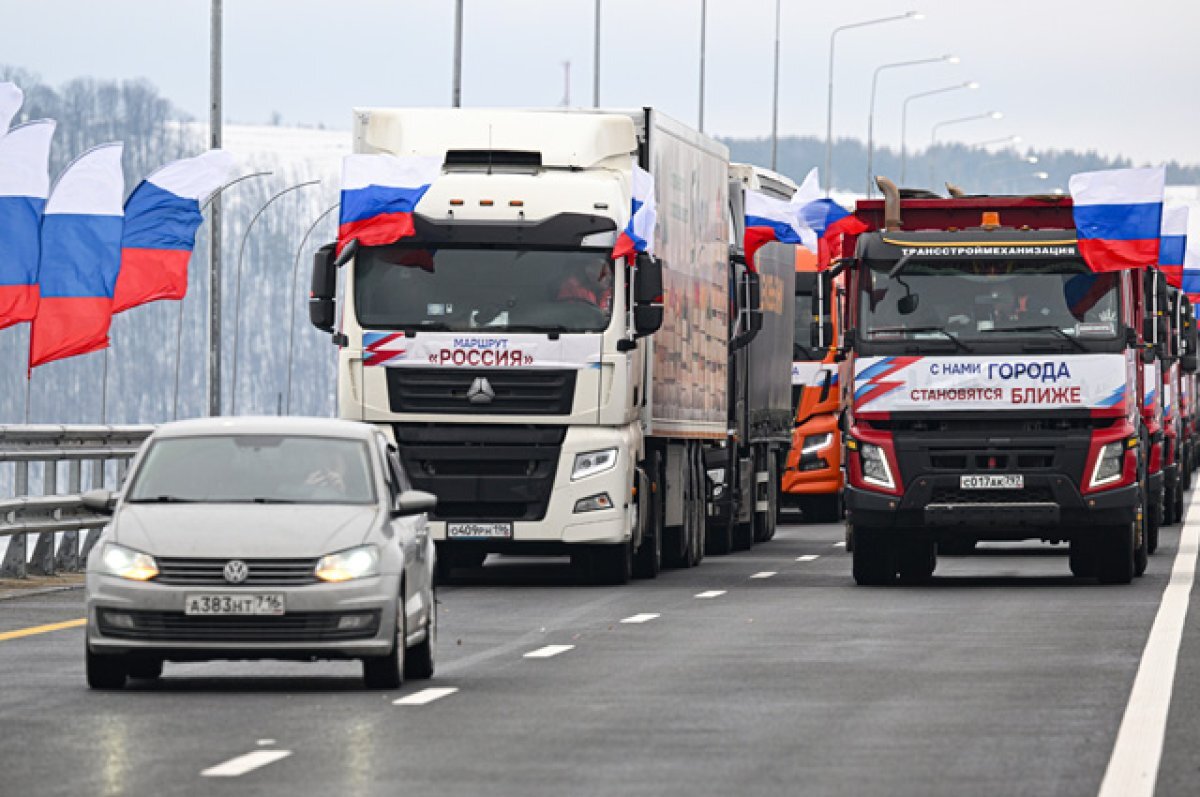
<point x="480" y="391"/>
<point x="236" y="571"/>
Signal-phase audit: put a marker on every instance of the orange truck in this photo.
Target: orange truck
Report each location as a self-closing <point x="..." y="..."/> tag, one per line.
<point x="812" y="479"/>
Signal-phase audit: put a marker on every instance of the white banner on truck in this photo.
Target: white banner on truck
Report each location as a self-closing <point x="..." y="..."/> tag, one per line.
<point x="1082" y="381"/>
<point x="475" y="350"/>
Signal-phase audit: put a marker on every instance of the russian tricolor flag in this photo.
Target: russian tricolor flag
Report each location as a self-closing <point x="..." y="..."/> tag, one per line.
<point x="379" y="194"/>
<point x="24" y="186"/>
<point x="81" y="254"/>
<point x="1118" y="217"/>
<point x="638" y="235"/>
<point x="1190" y="282"/>
<point x="1173" y="243"/>
<point x="161" y="218"/>
<point x="11" y="100"/>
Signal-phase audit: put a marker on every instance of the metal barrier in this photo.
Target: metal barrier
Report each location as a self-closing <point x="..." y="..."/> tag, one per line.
<point x="57" y="519"/>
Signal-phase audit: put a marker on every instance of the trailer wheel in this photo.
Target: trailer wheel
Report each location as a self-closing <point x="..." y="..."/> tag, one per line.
<point x="764" y="521"/>
<point x="874" y="557"/>
<point x="1115" y="563"/>
<point x="699" y="507"/>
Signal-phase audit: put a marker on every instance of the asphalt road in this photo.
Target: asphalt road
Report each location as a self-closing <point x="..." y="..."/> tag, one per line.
<point x="1003" y="677"/>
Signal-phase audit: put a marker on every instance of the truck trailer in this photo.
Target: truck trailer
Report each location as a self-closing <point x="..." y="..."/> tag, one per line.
<point x="555" y="400"/>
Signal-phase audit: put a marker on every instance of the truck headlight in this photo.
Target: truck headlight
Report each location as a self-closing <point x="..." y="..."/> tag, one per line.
<point x="1110" y="464"/>
<point x="128" y="563"/>
<point x="874" y="466"/>
<point x="590" y="463"/>
<point x="349" y="564"/>
<point x="815" y="442"/>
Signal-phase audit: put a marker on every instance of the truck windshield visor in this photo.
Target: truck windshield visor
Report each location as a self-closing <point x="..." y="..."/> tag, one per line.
<point x="457" y="289"/>
<point x="987" y="300"/>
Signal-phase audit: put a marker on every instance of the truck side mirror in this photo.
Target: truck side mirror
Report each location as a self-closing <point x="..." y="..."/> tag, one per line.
<point x="647" y="295"/>
<point x="322" y="302"/>
<point x="1187" y="363"/>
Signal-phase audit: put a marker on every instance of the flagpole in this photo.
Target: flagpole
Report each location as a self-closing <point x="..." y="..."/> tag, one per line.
<point x="178" y="361"/>
<point x="28" y="383"/>
<point x="104" y="388"/>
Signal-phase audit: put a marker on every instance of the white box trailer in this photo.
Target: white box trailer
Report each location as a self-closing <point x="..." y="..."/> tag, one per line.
<point x="545" y="424"/>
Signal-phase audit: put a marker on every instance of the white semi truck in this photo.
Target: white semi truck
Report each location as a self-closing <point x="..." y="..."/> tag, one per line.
<point x="556" y="401"/>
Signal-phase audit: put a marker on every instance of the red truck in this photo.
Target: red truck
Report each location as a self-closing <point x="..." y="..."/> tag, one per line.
<point x="997" y="387"/>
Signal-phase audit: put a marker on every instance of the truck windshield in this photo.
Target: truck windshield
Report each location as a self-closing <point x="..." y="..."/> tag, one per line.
<point x="802" y="350"/>
<point x="457" y="289"/>
<point x="989" y="301"/>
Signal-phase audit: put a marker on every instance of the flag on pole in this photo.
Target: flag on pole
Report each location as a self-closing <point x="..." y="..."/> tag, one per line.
<point x="80" y="257"/>
<point x="24" y="186"/>
<point x="379" y="195"/>
<point x="11" y="100"/>
<point x="769" y="219"/>
<point x="1118" y="217"/>
<point x="638" y="235"/>
<point x="1190" y="280"/>
<point x="159" y="233"/>
<point x="1173" y="242"/>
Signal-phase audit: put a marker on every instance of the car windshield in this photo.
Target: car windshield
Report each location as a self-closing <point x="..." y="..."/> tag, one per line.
<point x="470" y="288"/>
<point x="986" y="300"/>
<point x="254" y="469"/>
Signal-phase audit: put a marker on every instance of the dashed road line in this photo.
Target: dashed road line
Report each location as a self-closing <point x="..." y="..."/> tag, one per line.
<point x="808" y="557"/>
<point x="41" y="629"/>
<point x="840" y="544"/>
<point x="641" y="618"/>
<point x="249" y="762"/>
<point x="425" y="696"/>
<point x="712" y="593"/>
<point x="548" y="651"/>
<point x="765" y="574"/>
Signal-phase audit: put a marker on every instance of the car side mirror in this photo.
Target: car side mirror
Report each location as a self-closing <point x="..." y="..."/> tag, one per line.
<point x="647" y="295"/>
<point x="100" y="501"/>
<point x="414" y="502"/>
<point x="322" y="302"/>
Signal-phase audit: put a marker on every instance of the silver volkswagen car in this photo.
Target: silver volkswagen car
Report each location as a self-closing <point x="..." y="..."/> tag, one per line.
<point x="250" y="538"/>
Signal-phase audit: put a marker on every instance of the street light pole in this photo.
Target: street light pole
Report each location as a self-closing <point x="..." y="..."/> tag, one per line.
<point x="970" y="84"/>
<point x="949" y="59"/>
<point x="913" y="15"/>
<point x="214" y="248"/>
<point x="703" y="42"/>
<point x="960" y="120"/>
<point x="456" y="90"/>
<point x="775" y="97"/>
<point x="596" y="60"/>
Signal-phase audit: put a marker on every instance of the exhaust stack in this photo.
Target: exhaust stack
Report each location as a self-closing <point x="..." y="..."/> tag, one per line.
<point x="891" y="203"/>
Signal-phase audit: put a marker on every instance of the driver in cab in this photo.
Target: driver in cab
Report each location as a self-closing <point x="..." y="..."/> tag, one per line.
<point x="592" y="283"/>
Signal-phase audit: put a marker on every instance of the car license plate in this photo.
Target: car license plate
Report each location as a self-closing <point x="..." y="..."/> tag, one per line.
<point x="1004" y="481"/>
<point x="209" y="605"/>
<point x="479" y="531"/>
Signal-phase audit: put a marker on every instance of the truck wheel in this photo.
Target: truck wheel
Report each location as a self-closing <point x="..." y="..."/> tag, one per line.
<point x="1083" y="558"/>
<point x="699" y="507"/>
<point x="1168" y="510"/>
<point x="764" y="522"/>
<point x="822" y="508"/>
<point x="647" y="561"/>
<point x="1115" y="562"/>
<point x="916" y="559"/>
<point x="610" y="564"/>
<point x="874" y="557"/>
<point x="1185" y="468"/>
<point x="1179" y="488"/>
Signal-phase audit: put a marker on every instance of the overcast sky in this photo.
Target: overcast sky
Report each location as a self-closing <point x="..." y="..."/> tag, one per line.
<point x="1117" y="76"/>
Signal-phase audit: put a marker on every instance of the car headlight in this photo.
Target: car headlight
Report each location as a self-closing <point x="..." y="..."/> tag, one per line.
<point x="128" y="563"/>
<point x="874" y="466"/>
<point x="815" y="442"/>
<point x="590" y="463"/>
<point x="352" y="563"/>
<point x="1110" y="464"/>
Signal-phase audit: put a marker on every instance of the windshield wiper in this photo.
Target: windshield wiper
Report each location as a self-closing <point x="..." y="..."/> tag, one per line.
<point x="163" y="499"/>
<point x="1041" y="328"/>
<point x="949" y="335"/>
<point x="261" y="500"/>
<point x="543" y="328"/>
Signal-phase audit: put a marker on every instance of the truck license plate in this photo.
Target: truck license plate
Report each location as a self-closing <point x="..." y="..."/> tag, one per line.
<point x="479" y="531"/>
<point x="241" y="604"/>
<point x="1005" y="481"/>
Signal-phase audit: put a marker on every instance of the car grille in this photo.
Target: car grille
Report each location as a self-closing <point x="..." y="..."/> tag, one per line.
<point x="211" y="572"/>
<point x="179" y="627"/>
<point x="514" y="392"/>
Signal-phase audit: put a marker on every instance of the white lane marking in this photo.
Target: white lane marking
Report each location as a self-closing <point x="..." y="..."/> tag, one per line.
<point x="808" y="557"/>
<point x="712" y="593"/>
<point x="548" y="651"/>
<point x="841" y="544"/>
<point x="764" y="574"/>
<point x="265" y="742"/>
<point x="1133" y="769"/>
<point x="245" y="763"/>
<point x="425" y="696"/>
<point x="641" y="618"/>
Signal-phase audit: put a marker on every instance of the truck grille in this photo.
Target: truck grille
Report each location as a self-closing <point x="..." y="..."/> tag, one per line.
<point x="494" y="472"/>
<point x="514" y="391"/>
<point x="211" y="572"/>
<point x="179" y="627"/>
<point x="1030" y="495"/>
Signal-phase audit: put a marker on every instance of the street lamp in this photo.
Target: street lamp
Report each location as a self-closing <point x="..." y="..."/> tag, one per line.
<point x="456" y="86"/>
<point x="703" y="41"/>
<point x="970" y="84"/>
<point x="775" y="96"/>
<point x="1005" y="140"/>
<point x="948" y="122"/>
<point x="913" y="15"/>
<point x="944" y="59"/>
<point x="237" y="297"/>
<point x="292" y="302"/>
